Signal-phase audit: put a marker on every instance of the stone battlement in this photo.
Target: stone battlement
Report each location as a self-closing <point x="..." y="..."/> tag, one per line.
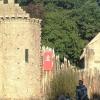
<point x="12" y="10"/>
<point x="31" y="20"/>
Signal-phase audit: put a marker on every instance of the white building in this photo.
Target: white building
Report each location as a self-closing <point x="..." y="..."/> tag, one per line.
<point x="91" y="54"/>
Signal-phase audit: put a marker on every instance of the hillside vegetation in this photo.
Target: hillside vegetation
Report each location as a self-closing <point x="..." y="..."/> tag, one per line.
<point x="68" y="25"/>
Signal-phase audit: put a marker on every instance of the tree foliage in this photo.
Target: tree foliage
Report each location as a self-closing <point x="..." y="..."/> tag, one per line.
<point x="68" y="24"/>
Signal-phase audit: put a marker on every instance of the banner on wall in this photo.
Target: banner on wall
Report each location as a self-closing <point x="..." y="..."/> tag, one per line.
<point x="48" y="60"/>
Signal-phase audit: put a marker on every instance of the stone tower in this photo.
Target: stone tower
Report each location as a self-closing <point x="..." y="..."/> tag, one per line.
<point x="19" y="53"/>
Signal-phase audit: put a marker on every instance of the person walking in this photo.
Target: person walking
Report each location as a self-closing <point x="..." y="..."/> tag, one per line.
<point x="81" y="91"/>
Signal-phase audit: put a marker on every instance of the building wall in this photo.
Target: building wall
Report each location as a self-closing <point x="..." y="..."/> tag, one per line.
<point x="19" y="79"/>
<point x="92" y="56"/>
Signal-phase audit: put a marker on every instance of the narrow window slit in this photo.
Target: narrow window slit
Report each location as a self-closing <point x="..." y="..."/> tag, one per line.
<point x="26" y="55"/>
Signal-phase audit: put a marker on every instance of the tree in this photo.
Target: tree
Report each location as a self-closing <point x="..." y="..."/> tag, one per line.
<point x="68" y="25"/>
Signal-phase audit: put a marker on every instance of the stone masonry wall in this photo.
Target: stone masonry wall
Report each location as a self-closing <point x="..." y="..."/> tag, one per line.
<point x="19" y="79"/>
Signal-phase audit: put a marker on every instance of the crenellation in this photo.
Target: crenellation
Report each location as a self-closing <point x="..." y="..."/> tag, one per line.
<point x="38" y="21"/>
<point x="12" y="10"/>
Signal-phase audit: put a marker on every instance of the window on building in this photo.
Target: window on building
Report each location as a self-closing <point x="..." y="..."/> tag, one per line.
<point x="26" y="55"/>
<point x="5" y="1"/>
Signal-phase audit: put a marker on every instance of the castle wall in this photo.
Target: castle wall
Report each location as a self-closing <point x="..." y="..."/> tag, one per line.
<point x="19" y="78"/>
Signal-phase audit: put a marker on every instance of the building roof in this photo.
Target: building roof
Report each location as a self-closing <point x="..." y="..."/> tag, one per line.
<point x="95" y="39"/>
<point x="12" y="10"/>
